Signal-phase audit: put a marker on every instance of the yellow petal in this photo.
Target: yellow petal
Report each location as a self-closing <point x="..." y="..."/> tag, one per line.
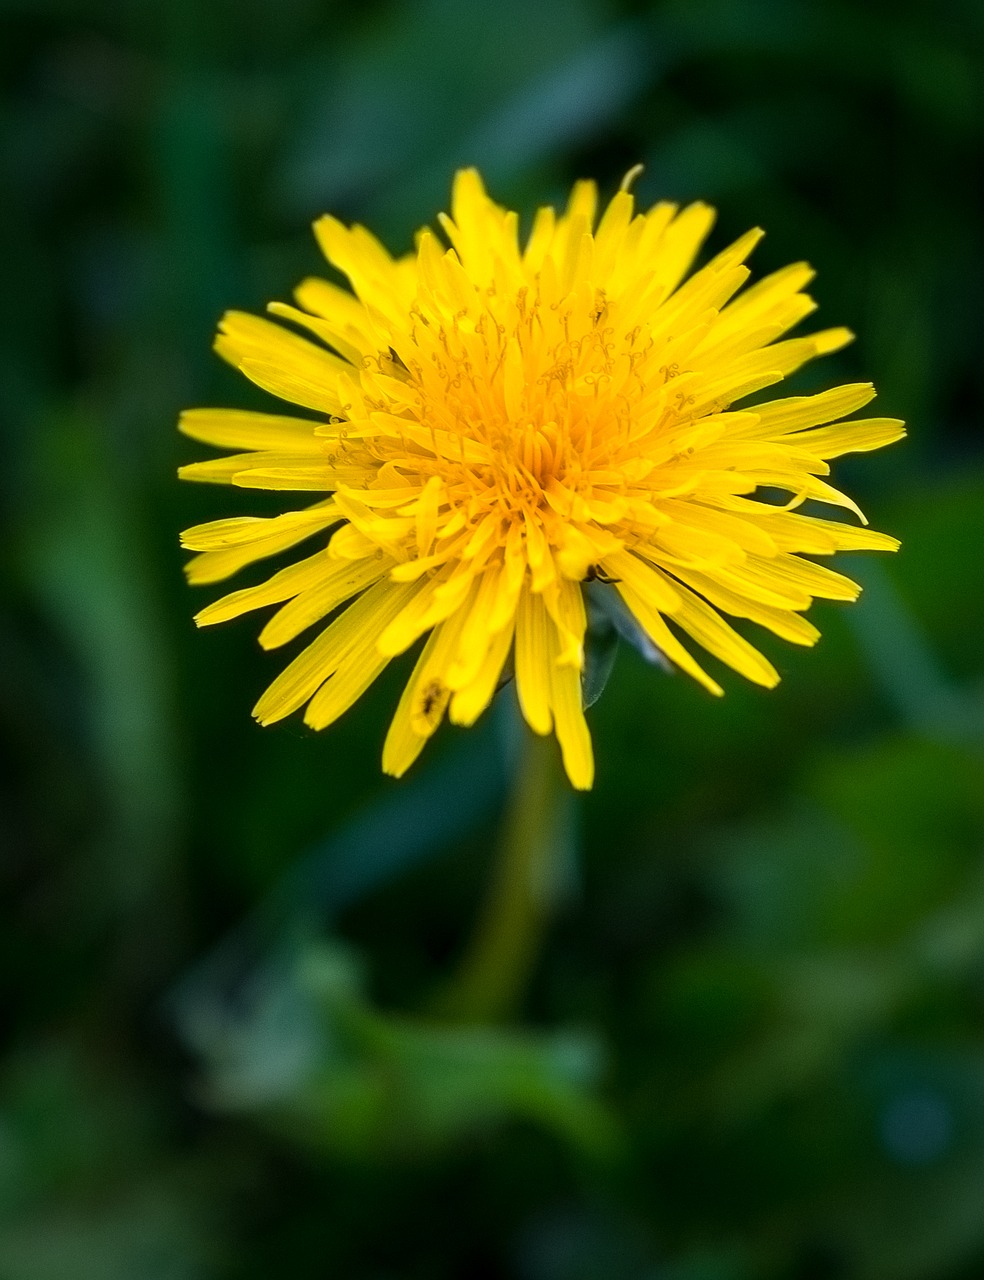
<point x="354" y="629"/>
<point x="654" y="625"/>
<point x="313" y="477"/>
<point x="245" y="340"/>
<point x="795" y="412"/>
<point x="569" y="723"/>
<point x="334" y="335"/>
<point x="679" y="243"/>
<point x="346" y="686"/>
<point x="533" y="660"/>
<point x="243" y="531"/>
<point x="565" y="605"/>
<point x="372" y="272"/>
<point x="626" y="568"/>
<point x="237" y="429"/>
<point x="214" y="566"/>
<point x="470" y="701"/>
<point x="424" y="701"/>
<point x="475" y="639"/>
<point x="745" y="534"/>
<point x="781" y="621"/>
<point x="225" y="470"/>
<point x="851" y="437"/>
<point x="425" y="610"/>
<point x="341" y="308"/>
<point x="761" y="298"/>
<point x="342" y="580"/>
<point x="711" y="631"/>
<point x="816" y="579"/>
<point x="284" y="584"/>
<point x="320" y="394"/>
<point x="794" y="532"/>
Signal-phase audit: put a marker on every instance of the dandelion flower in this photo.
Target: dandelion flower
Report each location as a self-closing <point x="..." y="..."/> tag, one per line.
<point x="500" y="421"/>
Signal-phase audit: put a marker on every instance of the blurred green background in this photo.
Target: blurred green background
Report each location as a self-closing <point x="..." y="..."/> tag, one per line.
<point x="751" y="1043"/>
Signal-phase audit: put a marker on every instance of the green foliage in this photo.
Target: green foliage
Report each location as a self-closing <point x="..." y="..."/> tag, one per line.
<point x="751" y="1044"/>
<point x="380" y="1087"/>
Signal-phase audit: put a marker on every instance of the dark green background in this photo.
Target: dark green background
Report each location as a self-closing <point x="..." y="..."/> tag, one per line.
<point x="753" y="1041"/>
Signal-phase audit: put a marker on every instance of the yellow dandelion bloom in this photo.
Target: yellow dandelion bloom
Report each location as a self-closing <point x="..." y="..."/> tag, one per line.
<point x="499" y="422"/>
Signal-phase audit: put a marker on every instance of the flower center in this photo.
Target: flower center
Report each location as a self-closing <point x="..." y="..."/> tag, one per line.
<point x="518" y="409"/>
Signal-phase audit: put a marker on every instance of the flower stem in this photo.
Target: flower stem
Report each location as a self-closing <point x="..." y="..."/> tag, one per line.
<point x="497" y="962"/>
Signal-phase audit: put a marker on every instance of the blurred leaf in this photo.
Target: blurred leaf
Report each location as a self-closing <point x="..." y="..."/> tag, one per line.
<point x="241" y="981"/>
<point x="147" y="1233"/>
<point x="84" y="1191"/>
<point x="876" y="851"/>
<point x="81" y="554"/>
<point x="409" y="823"/>
<point x="571" y="107"/>
<point x="405" y="108"/>
<point x="369" y="1085"/>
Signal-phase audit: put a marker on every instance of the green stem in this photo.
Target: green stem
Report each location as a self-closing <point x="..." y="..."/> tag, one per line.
<point x="502" y="951"/>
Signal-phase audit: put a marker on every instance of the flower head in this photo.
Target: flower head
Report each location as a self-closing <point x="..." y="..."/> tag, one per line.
<point x="497" y="422"/>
